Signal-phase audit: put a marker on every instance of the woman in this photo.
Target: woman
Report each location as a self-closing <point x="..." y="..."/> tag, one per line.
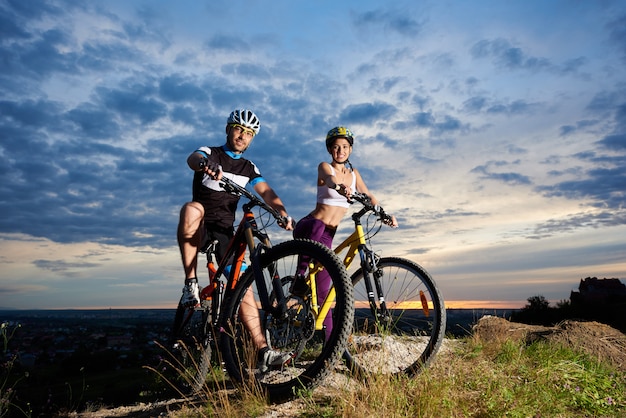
<point x="336" y="181"/>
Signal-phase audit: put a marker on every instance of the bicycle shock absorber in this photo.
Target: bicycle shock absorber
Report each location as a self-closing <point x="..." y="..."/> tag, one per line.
<point x="377" y="274"/>
<point x="365" y="254"/>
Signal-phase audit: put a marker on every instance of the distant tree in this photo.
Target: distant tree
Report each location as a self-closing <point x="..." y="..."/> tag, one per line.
<point x="564" y="304"/>
<point x="602" y="300"/>
<point x="537" y="304"/>
<point x="536" y="312"/>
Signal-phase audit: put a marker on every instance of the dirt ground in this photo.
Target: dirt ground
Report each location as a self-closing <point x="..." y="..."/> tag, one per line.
<point x="596" y="339"/>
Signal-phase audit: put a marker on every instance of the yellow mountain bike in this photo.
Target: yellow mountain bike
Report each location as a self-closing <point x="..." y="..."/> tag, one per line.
<point x="400" y="317"/>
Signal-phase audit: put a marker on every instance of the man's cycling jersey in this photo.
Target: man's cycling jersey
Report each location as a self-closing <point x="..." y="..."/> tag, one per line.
<point x="220" y="206"/>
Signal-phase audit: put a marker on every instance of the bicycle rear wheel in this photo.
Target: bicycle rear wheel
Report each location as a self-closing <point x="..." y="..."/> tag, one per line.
<point x="189" y="360"/>
<point x="408" y="337"/>
<point x="311" y="355"/>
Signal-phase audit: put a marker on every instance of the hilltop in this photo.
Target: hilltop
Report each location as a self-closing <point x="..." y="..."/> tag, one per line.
<point x="596" y="340"/>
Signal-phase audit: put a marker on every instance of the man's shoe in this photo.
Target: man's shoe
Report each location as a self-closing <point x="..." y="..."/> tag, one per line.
<point x="191" y="293"/>
<point x="271" y="358"/>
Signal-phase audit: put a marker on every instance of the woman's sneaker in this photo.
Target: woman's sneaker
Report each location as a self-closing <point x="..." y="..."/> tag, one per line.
<point x="191" y="293"/>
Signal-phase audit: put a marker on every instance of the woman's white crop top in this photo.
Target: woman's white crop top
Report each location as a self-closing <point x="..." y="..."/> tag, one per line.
<point x="331" y="197"/>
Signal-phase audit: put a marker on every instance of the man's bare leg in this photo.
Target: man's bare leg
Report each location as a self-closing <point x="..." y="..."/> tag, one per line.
<point x="249" y="315"/>
<point x="189" y="235"/>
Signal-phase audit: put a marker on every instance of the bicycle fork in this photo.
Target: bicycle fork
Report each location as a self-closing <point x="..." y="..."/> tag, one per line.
<point x="255" y="251"/>
<point x="371" y="273"/>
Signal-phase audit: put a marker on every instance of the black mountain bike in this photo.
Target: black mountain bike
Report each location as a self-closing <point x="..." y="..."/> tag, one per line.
<point x="289" y="323"/>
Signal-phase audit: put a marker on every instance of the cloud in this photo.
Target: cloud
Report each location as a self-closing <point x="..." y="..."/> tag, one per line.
<point x="136" y="100"/>
<point x="62" y="266"/>
<point x="574" y="222"/>
<point x="392" y="21"/>
<point x="94" y="121"/>
<point x="31" y="113"/>
<point x="508" y="56"/>
<point x="367" y="112"/>
<point x="614" y="142"/>
<point x="227" y="43"/>
<point x="511" y="178"/>
<point x="436" y="124"/>
<point x="604" y="186"/>
<point x="478" y="104"/>
<point x="617" y="33"/>
<point x="605" y="181"/>
<point x="10" y="29"/>
<point x="176" y="88"/>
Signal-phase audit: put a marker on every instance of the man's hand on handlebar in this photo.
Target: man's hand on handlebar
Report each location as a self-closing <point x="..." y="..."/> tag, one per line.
<point x="211" y="168"/>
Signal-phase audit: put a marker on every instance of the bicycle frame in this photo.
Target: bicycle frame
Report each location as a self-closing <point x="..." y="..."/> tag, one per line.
<point x="242" y="241"/>
<point x="320" y="310"/>
<point x="354" y="244"/>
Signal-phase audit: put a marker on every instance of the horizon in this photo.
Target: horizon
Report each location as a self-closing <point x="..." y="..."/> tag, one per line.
<point x="467" y="305"/>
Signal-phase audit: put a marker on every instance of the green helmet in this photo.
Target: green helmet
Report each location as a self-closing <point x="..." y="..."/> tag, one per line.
<point x="339" y="132"/>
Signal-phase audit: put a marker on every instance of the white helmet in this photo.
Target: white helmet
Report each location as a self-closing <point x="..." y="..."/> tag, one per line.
<point x="245" y="118"/>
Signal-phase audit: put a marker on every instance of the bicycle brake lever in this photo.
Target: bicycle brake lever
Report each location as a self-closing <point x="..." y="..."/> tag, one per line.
<point x="283" y="221"/>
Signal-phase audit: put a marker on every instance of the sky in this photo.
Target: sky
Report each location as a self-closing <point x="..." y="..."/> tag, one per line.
<point x="494" y="131"/>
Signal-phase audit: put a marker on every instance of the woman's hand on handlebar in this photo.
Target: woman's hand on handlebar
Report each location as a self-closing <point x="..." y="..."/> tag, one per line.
<point x="386" y="218"/>
<point x="344" y="190"/>
<point x="391" y="221"/>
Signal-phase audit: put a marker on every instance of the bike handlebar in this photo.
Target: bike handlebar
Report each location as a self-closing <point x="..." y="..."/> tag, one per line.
<point x="233" y="188"/>
<point x="368" y="206"/>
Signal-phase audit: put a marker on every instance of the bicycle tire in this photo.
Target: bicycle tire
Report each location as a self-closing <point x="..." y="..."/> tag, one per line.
<point x="409" y="339"/>
<point x="189" y="359"/>
<point x="313" y="356"/>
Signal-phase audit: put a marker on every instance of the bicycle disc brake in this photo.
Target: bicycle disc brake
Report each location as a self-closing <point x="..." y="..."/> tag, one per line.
<point x="294" y="329"/>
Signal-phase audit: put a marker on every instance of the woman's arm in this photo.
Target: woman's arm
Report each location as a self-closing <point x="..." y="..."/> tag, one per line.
<point x="362" y="188"/>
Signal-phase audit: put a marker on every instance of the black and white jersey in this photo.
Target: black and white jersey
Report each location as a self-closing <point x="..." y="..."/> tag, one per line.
<point x="220" y="206"/>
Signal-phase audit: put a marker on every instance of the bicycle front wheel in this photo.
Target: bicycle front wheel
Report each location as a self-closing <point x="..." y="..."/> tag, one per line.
<point x="406" y="337"/>
<point x="289" y="324"/>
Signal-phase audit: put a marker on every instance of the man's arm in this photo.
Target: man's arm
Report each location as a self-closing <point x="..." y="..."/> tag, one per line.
<point x="271" y="198"/>
<point x="198" y="161"/>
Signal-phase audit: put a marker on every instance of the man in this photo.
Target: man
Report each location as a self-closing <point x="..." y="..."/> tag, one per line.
<point x="211" y="213"/>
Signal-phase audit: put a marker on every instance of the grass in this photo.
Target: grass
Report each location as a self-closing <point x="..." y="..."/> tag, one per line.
<point x="476" y="379"/>
<point x="217" y="396"/>
<point x="8" y="381"/>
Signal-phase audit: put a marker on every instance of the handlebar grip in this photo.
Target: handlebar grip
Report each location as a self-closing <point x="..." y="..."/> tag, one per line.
<point x="378" y="210"/>
<point x="283" y="221"/>
<point x="213" y="166"/>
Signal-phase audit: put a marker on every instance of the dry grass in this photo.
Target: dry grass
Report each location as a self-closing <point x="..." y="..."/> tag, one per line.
<point x="503" y="369"/>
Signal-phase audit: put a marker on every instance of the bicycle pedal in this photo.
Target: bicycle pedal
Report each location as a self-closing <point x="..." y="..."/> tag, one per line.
<point x="300" y="288"/>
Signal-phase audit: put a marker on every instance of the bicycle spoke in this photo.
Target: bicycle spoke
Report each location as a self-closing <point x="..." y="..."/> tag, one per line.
<point x="409" y="331"/>
<point x="289" y="327"/>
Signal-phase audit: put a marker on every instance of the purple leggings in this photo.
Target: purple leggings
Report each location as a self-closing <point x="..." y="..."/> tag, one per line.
<point x="316" y="230"/>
